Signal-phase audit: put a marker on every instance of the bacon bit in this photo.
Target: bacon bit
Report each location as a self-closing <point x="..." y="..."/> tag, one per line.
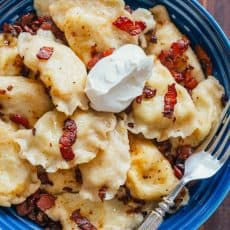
<point x="12" y="29"/>
<point x="170" y="101"/>
<point x="67" y="139"/>
<point x="82" y="222"/>
<point x="148" y="92"/>
<point x="204" y="59"/>
<point x="29" y="209"/>
<point x="2" y="91"/>
<point x="45" y="53"/>
<point x="10" y="87"/>
<point x="67" y="153"/>
<point x="139" y="99"/>
<point x="102" y="192"/>
<point x="43" y="176"/>
<point x="20" y="120"/>
<point x="127" y="25"/>
<point x="190" y="82"/>
<point x="178" y="171"/>
<point x="176" y="62"/>
<point x="31" y="23"/>
<point x="178" y="48"/>
<point x="46" y="26"/>
<point x="131" y="125"/>
<point x="128" y="8"/>
<point x="184" y="152"/>
<point x="27" y="19"/>
<point x="45" y="202"/>
<point x="96" y="56"/>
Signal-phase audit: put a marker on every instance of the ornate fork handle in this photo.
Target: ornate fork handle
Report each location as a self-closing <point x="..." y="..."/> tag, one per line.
<point x="156" y="216"/>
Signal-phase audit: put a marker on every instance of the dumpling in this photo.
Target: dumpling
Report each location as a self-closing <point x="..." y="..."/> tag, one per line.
<point x="103" y="176"/>
<point x="42" y="7"/>
<point x="166" y="34"/>
<point x="24" y="97"/>
<point x="62" y="181"/>
<point x="107" y="215"/>
<point x="207" y="99"/>
<point x="10" y="61"/>
<point x="9" y="126"/>
<point x="42" y="147"/>
<point x="88" y="24"/>
<point x="18" y="179"/>
<point x="104" y="215"/>
<point x="147" y="117"/>
<point x="150" y="176"/>
<point x="63" y="73"/>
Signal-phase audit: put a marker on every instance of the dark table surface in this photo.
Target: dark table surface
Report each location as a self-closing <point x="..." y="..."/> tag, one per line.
<point x="220" y="9"/>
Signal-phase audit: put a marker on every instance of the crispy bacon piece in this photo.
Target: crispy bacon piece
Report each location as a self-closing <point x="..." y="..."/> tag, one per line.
<point x="204" y="60"/>
<point x="177" y="63"/>
<point x="2" y="91"/>
<point x="170" y="101"/>
<point x="149" y="92"/>
<point x="189" y="81"/>
<point x="102" y="192"/>
<point x="30" y="209"/>
<point x="96" y="56"/>
<point x="130" y="27"/>
<point x="178" y="171"/>
<point x="31" y="23"/>
<point x="20" y="120"/>
<point x="45" y="53"/>
<point x="45" y="202"/>
<point x="67" y="139"/>
<point x="178" y="48"/>
<point x="139" y="99"/>
<point x="82" y="222"/>
<point x="184" y="152"/>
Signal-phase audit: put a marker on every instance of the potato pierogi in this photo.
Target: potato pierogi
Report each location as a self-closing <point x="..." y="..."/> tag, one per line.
<point x="100" y="106"/>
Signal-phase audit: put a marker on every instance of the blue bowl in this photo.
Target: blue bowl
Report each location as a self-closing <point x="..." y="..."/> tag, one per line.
<point x="194" y="21"/>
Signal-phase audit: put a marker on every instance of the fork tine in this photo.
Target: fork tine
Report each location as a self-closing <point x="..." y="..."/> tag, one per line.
<point x="208" y="142"/>
<point x="225" y="157"/>
<point x="216" y="139"/>
<point x="223" y="144"/>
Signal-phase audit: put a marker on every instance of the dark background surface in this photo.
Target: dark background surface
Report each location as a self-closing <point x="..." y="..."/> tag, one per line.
<point x="220" y="9"/>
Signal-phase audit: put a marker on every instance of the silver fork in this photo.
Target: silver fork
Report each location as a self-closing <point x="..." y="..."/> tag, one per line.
<point x="203" y="164"/>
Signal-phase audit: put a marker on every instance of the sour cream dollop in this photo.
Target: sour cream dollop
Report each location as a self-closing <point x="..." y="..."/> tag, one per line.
<point x="116" y="80"/>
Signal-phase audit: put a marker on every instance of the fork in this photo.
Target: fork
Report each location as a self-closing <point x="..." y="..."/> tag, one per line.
<point x="203" y="164"/>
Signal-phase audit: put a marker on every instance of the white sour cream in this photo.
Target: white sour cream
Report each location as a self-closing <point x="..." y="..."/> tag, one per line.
<point x="116" y="80"/>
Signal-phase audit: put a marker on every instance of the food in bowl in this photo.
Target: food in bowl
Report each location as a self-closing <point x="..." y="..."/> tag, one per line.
<point x="100" y="107"/>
